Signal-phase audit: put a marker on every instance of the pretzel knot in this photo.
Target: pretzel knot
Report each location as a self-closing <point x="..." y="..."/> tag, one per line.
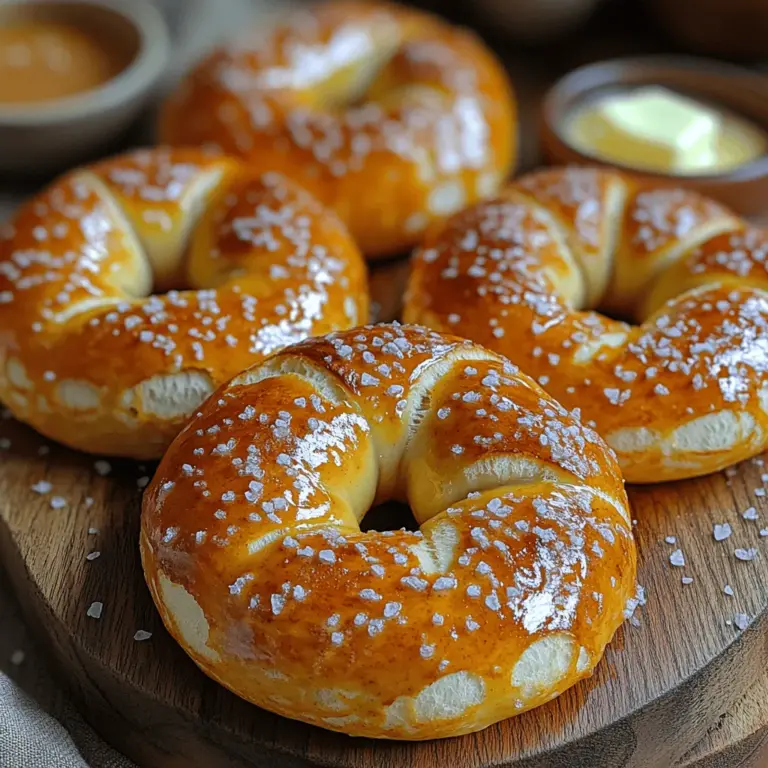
<point x="390" y="116"/>
<point x="504" y="597"/>
<point x="91" y="357"/>
<point x="683" y="392"/>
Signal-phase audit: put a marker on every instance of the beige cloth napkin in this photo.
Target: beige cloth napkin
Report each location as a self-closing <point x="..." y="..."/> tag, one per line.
<point x="39" y="727"/>
<point x="45" y="731"/>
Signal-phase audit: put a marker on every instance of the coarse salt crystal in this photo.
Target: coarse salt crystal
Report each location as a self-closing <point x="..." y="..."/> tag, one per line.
<point x="142" y="634"/>
<point x="741" y="620"/>
<point x="95" y="609"/>
<point x="721" y="532"/>
<point x="677" y="559"/>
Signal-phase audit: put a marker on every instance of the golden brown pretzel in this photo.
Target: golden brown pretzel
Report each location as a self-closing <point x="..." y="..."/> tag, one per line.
<point x="506" y="596"/>
<point x="389" y="115"/>
<point x="91" y="357"/>
<point x="682" y="393"/>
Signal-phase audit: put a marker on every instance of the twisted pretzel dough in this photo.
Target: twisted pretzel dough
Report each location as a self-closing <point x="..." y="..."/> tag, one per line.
<point x="681" y="394"/>
<point x="392" y="117"/>
<point x="91" y="357"/>
<point x="506" y="596"/>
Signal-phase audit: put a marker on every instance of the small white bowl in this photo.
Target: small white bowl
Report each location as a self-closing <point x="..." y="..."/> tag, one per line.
<point x="41" y="137"/>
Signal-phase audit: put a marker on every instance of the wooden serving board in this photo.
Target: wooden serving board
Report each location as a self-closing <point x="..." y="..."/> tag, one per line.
<point x="666" y="685"/>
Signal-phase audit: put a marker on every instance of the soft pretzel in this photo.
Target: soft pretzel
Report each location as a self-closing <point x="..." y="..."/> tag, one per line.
<point x="506" y="595"/>
<point x="391" y="116"/>
<point x="91" y="357"/>
<point x="681" y="393"/>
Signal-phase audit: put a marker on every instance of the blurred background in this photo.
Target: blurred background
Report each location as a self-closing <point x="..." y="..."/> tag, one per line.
<point x="539" y="40"/>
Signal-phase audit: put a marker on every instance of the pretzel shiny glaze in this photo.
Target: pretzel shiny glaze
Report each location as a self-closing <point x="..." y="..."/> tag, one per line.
<point x="506" y="595"/>
<point x="91" y="357"/>
<point x="391" y="116"/>
<point x="683" y="392"/>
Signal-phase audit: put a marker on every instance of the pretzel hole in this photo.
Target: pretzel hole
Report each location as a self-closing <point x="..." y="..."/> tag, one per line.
<point x="389" y="516"/>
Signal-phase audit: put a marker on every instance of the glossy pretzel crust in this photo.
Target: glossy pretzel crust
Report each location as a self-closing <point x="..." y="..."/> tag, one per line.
<point x="681" y="393"/>
<point x="507" y="594"/>
<point x="390" y="116"/>
<point x="93" y="355"/>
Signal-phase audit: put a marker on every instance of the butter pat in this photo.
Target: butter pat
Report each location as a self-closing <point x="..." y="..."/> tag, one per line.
<point x="652" y="128"/>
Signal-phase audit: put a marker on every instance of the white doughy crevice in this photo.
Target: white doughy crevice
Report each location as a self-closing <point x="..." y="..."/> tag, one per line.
<point x="197" y="197"/>
<point x="322" y="380"/>
<point x="543" y="664"/>
<point x="633" y="439"/>
<point x="17" y="374"/>
<point x="134" y="280"/>
<point x="683" y="245"/>
<point x="342" y="721"/>
<point x="494" y="472"/>
<point x="614" y="215"/>
<point x="335" y="699"/>
<point x="168" y="396"/>
<point x="618" y="504"/>
<point x="436" y="552"/>
<point x="447" y="698"/>
<point x="582" y="663"/>
<point x="712" y="433"/>
<point x="187" y="616"/>
<point x="587" y="351"/>
<point x="419" y="396"/>
<point x="78" y="395"/>
<point x="86" y="307"/>
<point x="763" y="399"/>
<point x="571" y="284"/>
<point x="274" y="674"/>
<point x="260" y="544"/>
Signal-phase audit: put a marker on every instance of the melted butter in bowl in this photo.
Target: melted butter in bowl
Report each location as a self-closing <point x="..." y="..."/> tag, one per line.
<point x="659" y="130"/>
<point x="44" y="59"/>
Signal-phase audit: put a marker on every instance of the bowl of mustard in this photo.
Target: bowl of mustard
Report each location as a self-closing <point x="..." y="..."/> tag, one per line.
<point x="73" y="76"/>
